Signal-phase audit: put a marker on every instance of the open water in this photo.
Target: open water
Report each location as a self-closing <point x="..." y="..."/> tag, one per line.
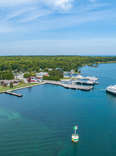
<point x="40" y="123"/>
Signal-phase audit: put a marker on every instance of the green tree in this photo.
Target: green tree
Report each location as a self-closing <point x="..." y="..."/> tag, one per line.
<point x="27" y="75"/>
<point x="11" y="85"/>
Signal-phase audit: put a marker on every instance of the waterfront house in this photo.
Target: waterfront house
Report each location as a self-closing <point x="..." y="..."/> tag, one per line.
<point x="25" y="80"/>
<point x="50" y="69"/>
<point x="7" y="82"/>
<point x="19" y="76"/>
<point x="32" y="80"/>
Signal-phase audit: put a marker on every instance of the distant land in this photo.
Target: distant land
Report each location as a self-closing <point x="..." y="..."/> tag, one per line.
<point x="35" y="63"/>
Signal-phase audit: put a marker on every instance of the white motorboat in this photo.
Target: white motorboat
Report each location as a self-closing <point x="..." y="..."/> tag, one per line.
<point x="111" y="89"/>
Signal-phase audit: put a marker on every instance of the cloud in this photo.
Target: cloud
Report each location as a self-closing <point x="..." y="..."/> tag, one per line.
<point x="32" y="20"/>
<point x="74" y="20"/>
<point x="17" y="13"/>
<point x="22" y="11"/>
<point x="32" y="16"/>
<point x="59" y="4"/>
<point x="41" y="18"/>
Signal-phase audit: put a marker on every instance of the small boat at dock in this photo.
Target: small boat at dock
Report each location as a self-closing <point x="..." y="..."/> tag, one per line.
<point x="75" y="136"/>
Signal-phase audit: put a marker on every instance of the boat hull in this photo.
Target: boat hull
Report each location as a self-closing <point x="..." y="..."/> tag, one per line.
<point x="111" y="89"/>
<point x="111" y="92"/>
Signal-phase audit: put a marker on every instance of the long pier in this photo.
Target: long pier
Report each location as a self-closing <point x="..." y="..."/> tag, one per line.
<point x="70" y="86"/>
<point x="14" y="94"/>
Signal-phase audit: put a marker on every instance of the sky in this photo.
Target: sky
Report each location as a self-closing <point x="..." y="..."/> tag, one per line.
<point x="57" y="27"/>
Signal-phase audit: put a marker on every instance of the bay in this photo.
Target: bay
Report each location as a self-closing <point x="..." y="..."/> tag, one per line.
<point x="40" y="123"/>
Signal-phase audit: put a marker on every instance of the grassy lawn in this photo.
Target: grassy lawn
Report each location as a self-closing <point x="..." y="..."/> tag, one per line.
<point x="23" y="85"/>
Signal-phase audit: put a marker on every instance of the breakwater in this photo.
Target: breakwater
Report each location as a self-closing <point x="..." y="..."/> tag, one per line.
<point x="14" y="94"/>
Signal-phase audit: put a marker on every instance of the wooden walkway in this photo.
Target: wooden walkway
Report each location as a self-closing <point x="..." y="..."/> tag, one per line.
<point x="14" y="94"/>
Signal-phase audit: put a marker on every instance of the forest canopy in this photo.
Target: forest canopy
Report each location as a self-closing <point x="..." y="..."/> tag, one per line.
<point x="35" y="63"/>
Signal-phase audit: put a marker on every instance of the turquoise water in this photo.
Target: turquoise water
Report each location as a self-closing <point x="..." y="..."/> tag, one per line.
<point x="40" y="123"/>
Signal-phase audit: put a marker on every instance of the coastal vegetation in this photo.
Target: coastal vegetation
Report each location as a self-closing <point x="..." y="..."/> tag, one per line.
<point x="54" y="65"/>
<point x="29" y="74"/>
<point x="20" y="85"/>
<point x="36" y="63"/>
<point x="54" y="75"/>
<point x="27" y="70"/>
<point x="6" y="75"/>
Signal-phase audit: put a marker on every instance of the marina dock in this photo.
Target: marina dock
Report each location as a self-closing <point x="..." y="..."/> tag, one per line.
<point x="84" y="82"/>
<point x="14" y="94"/>
<point x="59" y="83"/>
<point x="78" y="87"/>
<point x="70" y="86"/>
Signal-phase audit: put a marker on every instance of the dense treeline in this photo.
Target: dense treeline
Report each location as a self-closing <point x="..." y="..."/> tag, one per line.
<point x="35" y="63"/>
<point x="6" y="75"/>
<point x="54" y="75"/>
<point x="27" y="75"/>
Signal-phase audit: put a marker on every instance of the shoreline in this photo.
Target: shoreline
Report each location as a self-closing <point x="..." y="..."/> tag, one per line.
<point x="50" y="82"/>
<point x="58" y="83"/>
<point x="19" y="88"/>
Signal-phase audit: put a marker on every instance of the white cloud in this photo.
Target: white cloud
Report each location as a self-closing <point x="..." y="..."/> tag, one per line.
<point x="34" y="15"/>
<point x="59" y="4"/>
<point x="73" y="20"/>
<point x="41" y="15"/>
<point x="17" y="13"/>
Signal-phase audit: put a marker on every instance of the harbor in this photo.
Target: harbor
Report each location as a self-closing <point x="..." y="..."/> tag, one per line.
<point x="47" y="115"/>
<point x="72" y="85"/>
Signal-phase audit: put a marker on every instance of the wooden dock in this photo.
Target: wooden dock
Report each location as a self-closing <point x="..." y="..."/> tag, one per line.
<point x="84" y="82"/>
<point x="70" y="86"/>
<point x="78" y="87"/>
<point x="14" y="94"/>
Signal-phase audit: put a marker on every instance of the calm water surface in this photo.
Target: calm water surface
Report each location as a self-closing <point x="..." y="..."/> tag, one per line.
<point x="40" y="123"/>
